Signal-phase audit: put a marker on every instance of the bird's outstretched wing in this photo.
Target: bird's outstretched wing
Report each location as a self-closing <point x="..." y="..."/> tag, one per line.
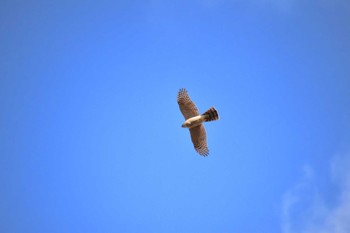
<point x="199" y="140"/>
<point x="187" y="107"/>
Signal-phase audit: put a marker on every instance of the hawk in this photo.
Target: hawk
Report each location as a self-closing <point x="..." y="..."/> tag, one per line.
<point x="194" y="120"/>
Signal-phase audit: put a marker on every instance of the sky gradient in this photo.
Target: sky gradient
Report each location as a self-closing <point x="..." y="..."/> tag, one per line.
<point x="90" y="131"/>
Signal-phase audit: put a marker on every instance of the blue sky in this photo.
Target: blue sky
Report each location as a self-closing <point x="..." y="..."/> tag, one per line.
<point x="91" y="137"/>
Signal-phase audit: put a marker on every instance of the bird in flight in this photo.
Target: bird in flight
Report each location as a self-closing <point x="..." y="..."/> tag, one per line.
<point x="194" y="121"/>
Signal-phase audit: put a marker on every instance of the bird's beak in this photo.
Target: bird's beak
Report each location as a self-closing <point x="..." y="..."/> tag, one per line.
<point x="183" y="125"/>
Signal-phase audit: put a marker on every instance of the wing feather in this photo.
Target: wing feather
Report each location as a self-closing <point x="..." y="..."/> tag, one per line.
<point x="199" y="140"/>
<point x="187" y="107"/>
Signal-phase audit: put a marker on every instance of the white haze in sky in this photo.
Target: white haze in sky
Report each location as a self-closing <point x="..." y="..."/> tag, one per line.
<point x="304" y="208"/>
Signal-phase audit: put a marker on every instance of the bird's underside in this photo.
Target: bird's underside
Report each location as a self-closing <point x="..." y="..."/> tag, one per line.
<point x="194" y="121"/>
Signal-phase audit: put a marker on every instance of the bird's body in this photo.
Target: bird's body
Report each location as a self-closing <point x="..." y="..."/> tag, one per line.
<point x="194" y="121"/>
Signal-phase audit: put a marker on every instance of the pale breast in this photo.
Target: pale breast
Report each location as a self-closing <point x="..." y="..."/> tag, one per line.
<point x="195" y="121"/>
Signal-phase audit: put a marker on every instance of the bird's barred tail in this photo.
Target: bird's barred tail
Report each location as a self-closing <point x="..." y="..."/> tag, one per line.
<point x="211" y="115"/>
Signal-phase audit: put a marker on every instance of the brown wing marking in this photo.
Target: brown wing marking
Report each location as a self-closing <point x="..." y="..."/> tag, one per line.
<point x="187" y="107"/>
<point x="199" y="140"/>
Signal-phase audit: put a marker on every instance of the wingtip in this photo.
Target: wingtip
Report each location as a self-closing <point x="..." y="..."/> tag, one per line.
<point x="203" y="153"/>
<point x="182" y="90"/>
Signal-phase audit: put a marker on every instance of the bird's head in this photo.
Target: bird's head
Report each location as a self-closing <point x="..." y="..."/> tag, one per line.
<point x="186" y="124"/>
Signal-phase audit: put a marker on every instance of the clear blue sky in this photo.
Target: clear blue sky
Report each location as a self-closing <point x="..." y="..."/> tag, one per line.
<point x="90" y="131"/>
